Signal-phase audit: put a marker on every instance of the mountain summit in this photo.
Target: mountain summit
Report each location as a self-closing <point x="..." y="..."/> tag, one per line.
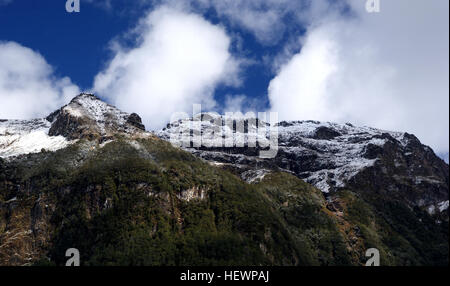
<point x="89" y="176"/>
<point x="86" y="116"/>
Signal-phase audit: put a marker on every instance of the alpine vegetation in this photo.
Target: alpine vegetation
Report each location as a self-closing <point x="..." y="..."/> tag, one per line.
<point x="89" y="178"/>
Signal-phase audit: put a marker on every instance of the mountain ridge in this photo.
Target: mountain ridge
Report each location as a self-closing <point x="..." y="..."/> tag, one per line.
<point x="327" y="155"/>
<point x="124" y="196"/>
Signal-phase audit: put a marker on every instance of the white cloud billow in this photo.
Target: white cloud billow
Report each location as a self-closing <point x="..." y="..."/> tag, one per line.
<point x="388" y="70"/>
<point x="28" y="87"/>
<point x="179" y="60"/>
<point x="265" y="19"/>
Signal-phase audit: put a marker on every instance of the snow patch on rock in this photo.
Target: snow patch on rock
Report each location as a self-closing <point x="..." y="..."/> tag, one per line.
<point x="18" y="137"/>
<point x="443" y="206"/>
<point x="254" y="176"/>
<point x="194" y="193"/>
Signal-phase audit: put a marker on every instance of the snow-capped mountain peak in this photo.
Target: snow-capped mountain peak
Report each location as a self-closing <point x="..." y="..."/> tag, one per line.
<point x="326" y="155"/>
<point x="85" y="117"/>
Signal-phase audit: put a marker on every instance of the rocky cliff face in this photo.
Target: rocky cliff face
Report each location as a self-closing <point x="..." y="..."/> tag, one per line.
<point x="88" y="176"/>
<point x="335" y="157"/>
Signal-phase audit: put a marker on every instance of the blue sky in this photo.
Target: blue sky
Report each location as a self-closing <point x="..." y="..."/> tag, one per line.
<point x="322" y="60"/>
<point x="76" y="44"/>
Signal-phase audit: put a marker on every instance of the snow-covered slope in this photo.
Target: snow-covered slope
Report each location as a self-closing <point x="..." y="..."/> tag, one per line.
<point x="27" y="136"/>
<point x="324" y="154"/>
<point x="340" y="151"/>
<point x="213" y="128"/>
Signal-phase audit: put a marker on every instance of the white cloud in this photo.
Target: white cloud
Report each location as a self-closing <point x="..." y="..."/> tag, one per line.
<point x="262" y="18"/>
<point x="28" y="87"/>
<point x="267" y="20"/>
<point x="179" y="60"/>
<point x="388" y="70"/>
<point x="234" y="103"/>
<point x="242" y="103"/>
